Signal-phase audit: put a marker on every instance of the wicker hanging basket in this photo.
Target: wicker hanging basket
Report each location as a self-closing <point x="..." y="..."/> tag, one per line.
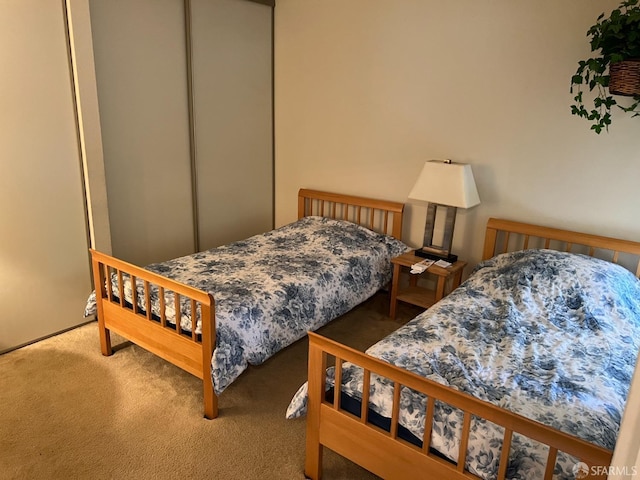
<point x="624" y="77"/>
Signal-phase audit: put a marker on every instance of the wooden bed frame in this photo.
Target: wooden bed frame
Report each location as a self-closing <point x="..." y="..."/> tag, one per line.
<point x="193" y="352"/>
<point x="388" y="456"/>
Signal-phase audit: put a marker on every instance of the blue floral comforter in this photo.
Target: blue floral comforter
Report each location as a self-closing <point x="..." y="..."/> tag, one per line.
<point x="551" y="336"/>
<point x="270" y="289"/>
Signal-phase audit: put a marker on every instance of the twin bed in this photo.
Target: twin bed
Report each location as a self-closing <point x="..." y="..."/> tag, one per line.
<point x="522" y="372"/>
<point x="249" y="299"/>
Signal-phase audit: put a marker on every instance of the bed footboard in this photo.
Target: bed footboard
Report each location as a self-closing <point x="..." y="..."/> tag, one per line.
<point x="384" y="453"/>
<point x="188" y="350"/>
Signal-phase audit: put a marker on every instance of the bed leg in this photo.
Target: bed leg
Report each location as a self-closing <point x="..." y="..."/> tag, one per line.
<point x="315" y="392"/>
<point x="210" y="401"/>
<point x="208" y="344"/>
<point x="313" y="462"/>
<point x="105" y="341"/>
<point x="99" y="272"/>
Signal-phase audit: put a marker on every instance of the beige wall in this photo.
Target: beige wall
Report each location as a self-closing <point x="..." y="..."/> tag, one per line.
<point x="367" y="90"/>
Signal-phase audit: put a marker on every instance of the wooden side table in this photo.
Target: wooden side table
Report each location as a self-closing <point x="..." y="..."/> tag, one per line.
<point x="447" y="279"/>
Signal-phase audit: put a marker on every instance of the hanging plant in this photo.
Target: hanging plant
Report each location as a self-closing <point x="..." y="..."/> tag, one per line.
<point x="617" y="39"/>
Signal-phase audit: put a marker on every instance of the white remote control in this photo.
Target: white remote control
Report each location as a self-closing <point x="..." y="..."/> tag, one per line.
<point x="443" y="263"/>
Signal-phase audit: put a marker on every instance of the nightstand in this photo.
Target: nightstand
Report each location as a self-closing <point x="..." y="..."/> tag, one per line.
<point x="447" y="279"/>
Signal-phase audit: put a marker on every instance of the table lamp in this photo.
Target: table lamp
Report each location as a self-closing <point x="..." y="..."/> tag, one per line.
<point x="443" y="184"/>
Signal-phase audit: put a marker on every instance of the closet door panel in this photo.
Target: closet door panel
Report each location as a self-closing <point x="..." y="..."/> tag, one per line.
<point x="232" y="85"/>
<point x="140" y="57"/>
<point x="44" y="274"/>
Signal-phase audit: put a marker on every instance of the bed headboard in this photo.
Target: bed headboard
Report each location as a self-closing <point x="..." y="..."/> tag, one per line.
<point x="508" y="236"/>
<point x="379" y="215"/>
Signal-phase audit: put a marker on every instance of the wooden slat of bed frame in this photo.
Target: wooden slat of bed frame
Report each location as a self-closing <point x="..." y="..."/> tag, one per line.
<point x="120" y="288"/>
<point x="395" y="410"/>
<point x="504" y="454"/>
<point x="338" y="381"/>
<point x="551" y="462"/>
<point x="147" y="299"/>
<point x="366" y="390"/>
<point x="163" y="306"/>
<point x="428" y="425"/>
<point x="194" y="319"/>
<point x="134" y="293"/>
<point x="464" y="442"/>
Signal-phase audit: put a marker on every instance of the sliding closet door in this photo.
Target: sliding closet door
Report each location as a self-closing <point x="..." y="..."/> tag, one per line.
<point x="140" y="57"/>
<point x="232" y="81"/>
<point x="44" y="263"/>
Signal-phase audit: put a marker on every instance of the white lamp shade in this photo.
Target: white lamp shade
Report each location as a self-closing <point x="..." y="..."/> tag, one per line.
<point x="450" y="184"/>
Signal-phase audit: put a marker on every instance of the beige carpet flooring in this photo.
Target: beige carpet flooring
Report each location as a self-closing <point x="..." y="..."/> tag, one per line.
<point x="67" y="412"/>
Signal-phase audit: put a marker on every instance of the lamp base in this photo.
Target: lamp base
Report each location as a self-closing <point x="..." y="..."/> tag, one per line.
<point x="451" y="258"/>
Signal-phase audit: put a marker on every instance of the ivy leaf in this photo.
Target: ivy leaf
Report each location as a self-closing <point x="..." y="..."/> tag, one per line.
<point x="594" y="115"/>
